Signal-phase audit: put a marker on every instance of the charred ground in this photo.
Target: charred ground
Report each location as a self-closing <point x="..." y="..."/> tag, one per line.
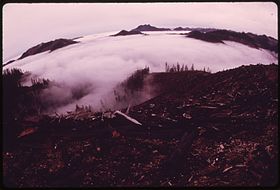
<point x="201" y="129"/>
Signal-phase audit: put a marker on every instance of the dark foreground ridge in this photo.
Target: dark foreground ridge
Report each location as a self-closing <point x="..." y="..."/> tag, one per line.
<point x="201" y="130"/>
<point x="249" y="39"/>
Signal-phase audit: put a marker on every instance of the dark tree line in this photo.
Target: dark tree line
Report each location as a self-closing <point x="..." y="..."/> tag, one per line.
<point x="182" y="68"/>
<point x="126" y="90"/>
<point x="19" y="101"/>
<point x="136" y="80"/>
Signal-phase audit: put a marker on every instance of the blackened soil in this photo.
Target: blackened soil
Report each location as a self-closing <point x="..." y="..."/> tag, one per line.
<point x="201" y="130"/>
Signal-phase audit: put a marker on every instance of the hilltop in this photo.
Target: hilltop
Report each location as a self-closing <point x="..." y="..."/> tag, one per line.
<point x="45" y="46"/>
<point x="125" y="33"/>
<point x="200" y="129"/>
<point x="148" y="27"/>
<point x="205" y="34"/>
<point x="249" y="39"/>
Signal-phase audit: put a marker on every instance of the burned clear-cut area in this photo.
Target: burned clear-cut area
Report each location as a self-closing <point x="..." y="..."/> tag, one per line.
<point x="140" y="95"/>
<point x="199" y="129"/>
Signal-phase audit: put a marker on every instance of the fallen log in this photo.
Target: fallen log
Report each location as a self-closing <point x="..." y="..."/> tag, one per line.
<point x="128" y="118"/>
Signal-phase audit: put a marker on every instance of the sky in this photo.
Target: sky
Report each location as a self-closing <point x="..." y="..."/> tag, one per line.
<point x="26" y="25"/>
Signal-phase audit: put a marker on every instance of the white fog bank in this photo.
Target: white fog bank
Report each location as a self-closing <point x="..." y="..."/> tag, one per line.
<point x="100" y="62"/>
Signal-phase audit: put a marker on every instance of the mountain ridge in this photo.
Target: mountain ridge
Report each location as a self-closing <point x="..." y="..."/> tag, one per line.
<point x="249" y="39"/>
<point x="205" y="34"/>
<point x="148" y="27"/>
<point x="125" y="33"/>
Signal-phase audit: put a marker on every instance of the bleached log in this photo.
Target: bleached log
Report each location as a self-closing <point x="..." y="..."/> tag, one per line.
<point x="127" y="117"/>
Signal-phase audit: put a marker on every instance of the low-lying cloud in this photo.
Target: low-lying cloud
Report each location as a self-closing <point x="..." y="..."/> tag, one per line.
<point x="85" y="73"/>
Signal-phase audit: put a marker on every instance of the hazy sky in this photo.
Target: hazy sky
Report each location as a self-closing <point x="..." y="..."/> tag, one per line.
<point x="26" y="25"/>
